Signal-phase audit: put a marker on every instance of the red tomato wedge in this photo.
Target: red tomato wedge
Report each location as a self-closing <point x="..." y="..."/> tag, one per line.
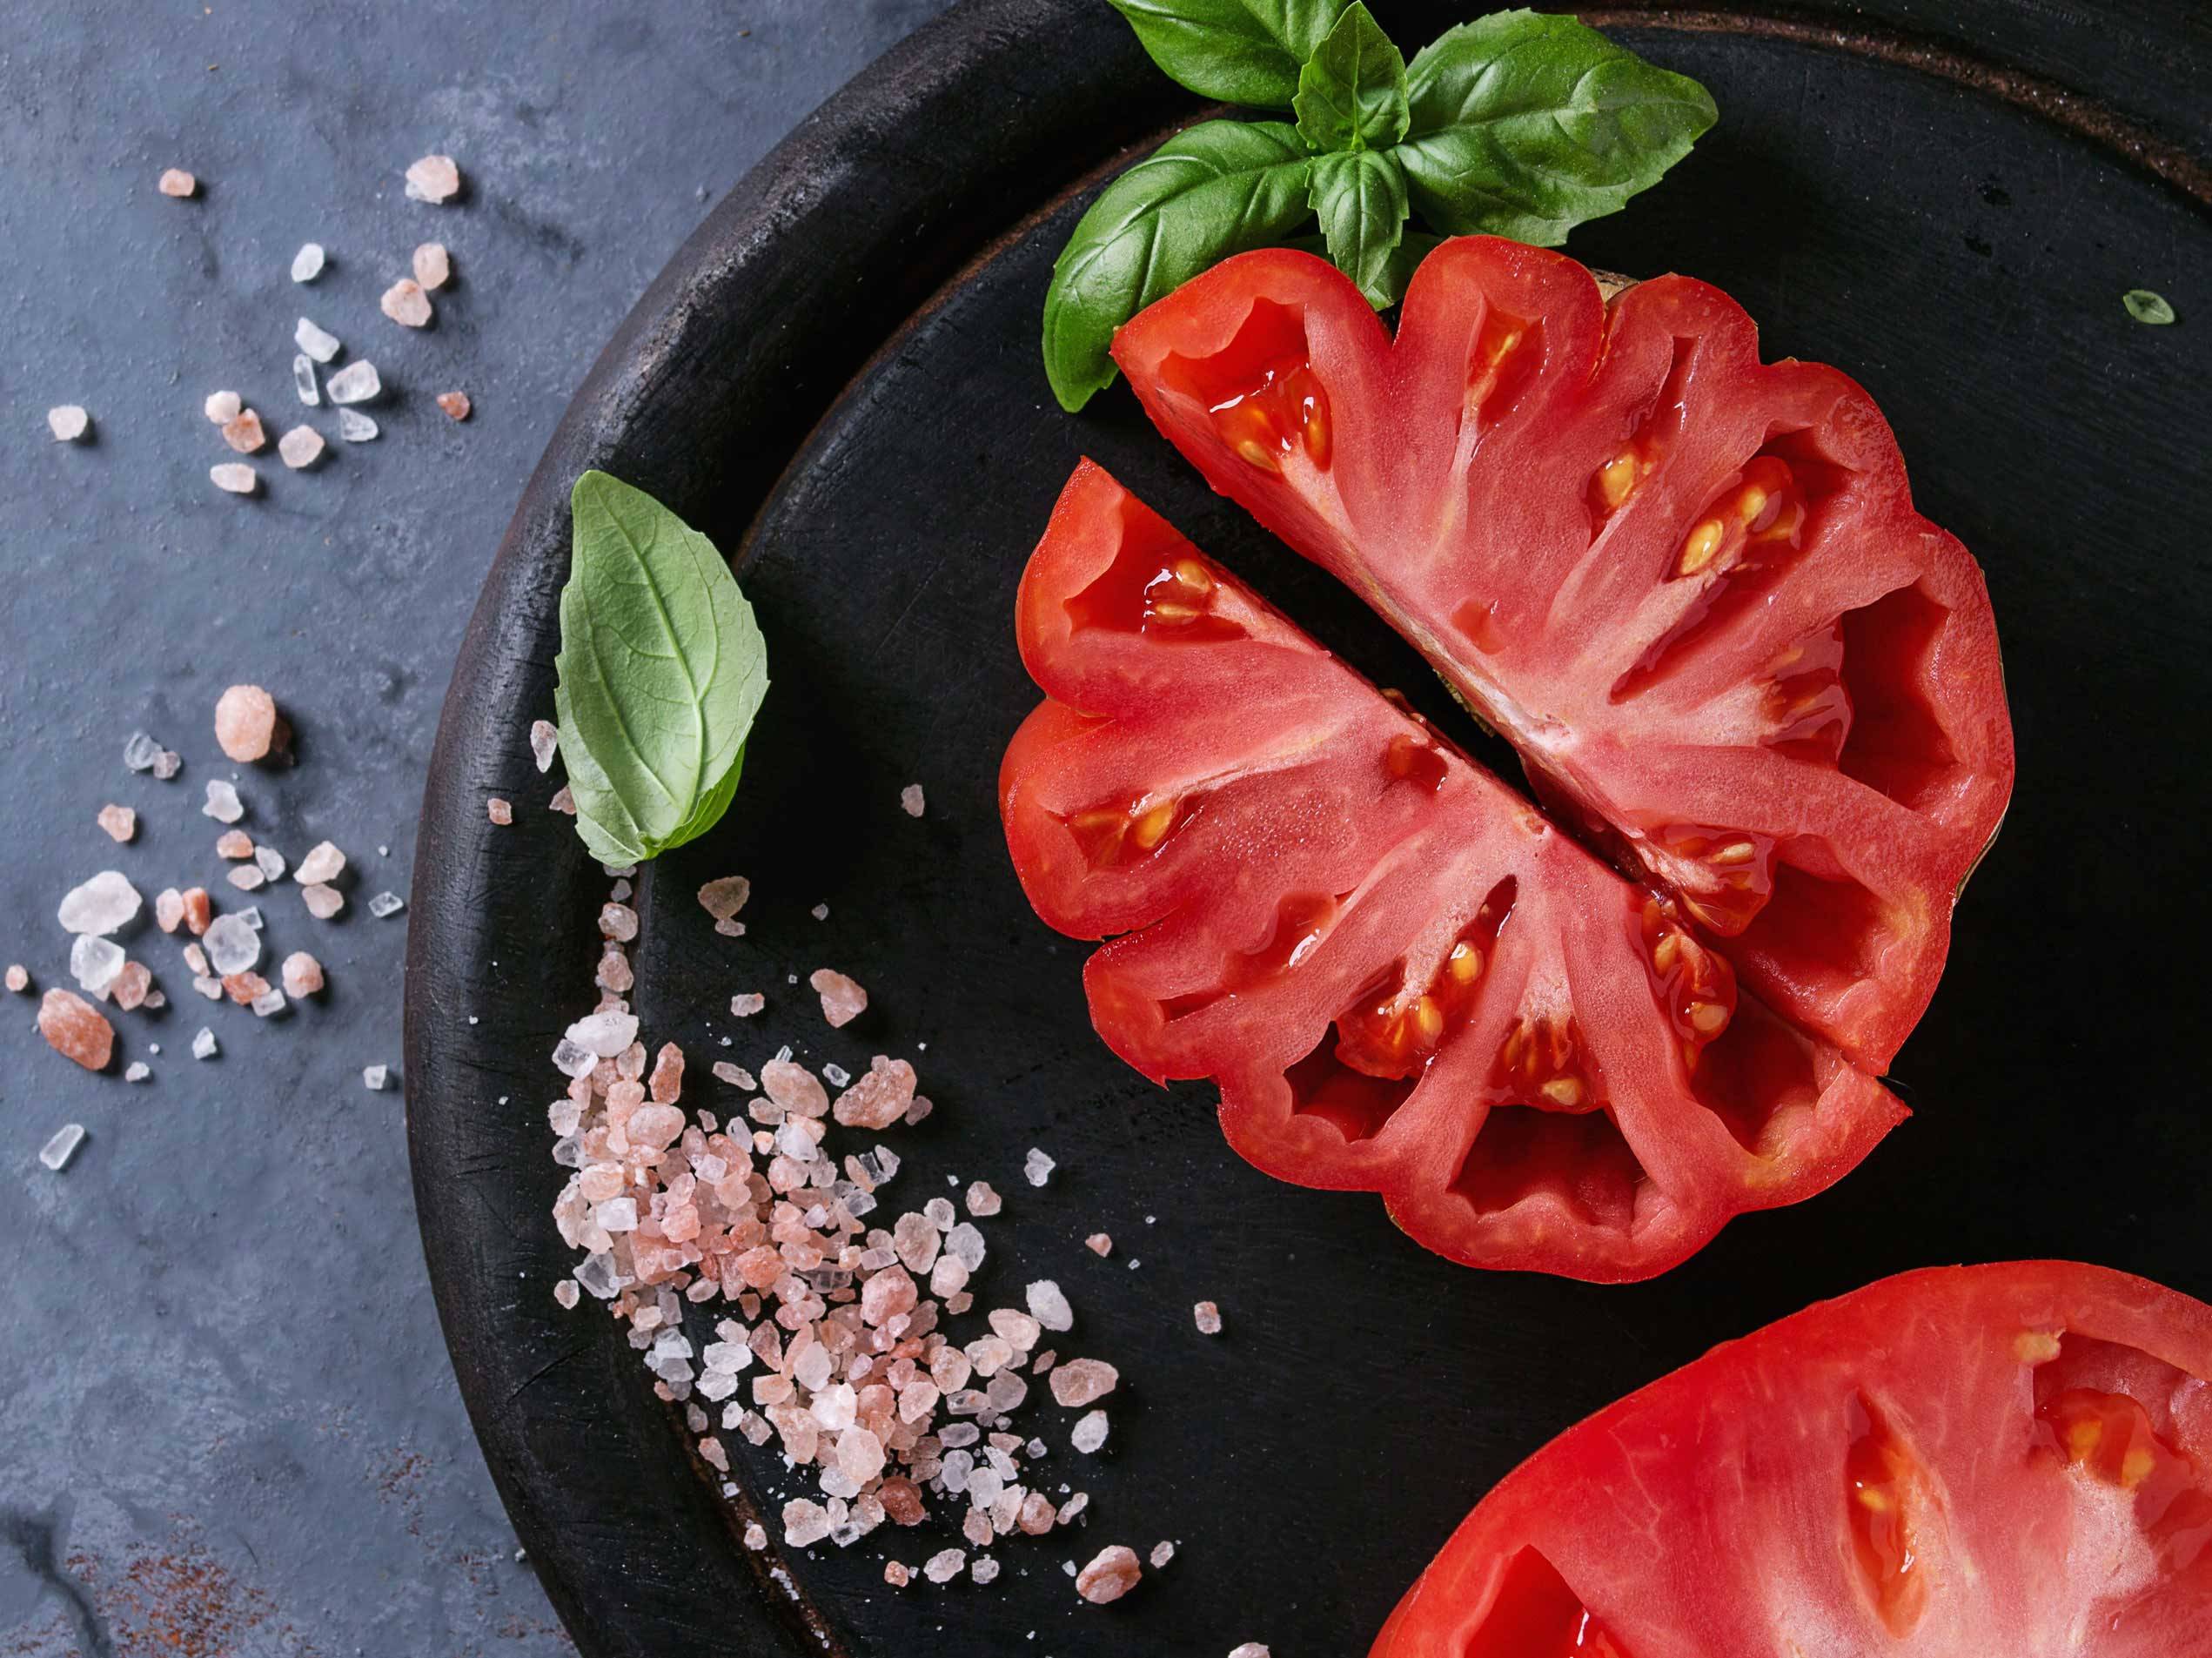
<point x="1690" y="587"/>
<point x="1958" y="1463"/>
<point x="1403" y="978"/>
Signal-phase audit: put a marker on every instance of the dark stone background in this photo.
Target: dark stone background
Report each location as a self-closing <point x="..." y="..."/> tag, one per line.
<point x="225" y="1411"/>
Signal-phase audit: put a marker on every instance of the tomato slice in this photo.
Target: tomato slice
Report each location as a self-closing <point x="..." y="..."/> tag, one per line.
<point x="1964" y="1461"/>
<point x="1690" y="587"/>
<point x="1403" y="978"/>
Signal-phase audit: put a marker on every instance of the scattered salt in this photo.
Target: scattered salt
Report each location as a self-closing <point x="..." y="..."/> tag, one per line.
<point x="431" y="264"/>
<point x="102" y="905"/>
<point x="323" y="864"/>
<point x="434" y="179"/>
<point x="137" y="1072"/>
<point x="406" y="304"/>
<point x="222" y="407"/>
<point x="1249" y="1649"/>
<point x="175" y="181"/>
<point x="1112" y="1573"/>
<point x="1207" y="1318"/>
<point x="247" y="877"/>
<point x="269" y="862"/>
<point x="545" y="742"/>
<point x="166" y="764"/>
<point x="455" y="404"/>
<point x="1081" y="1381"/>
<point x="1162" y="1552"/>
<point x="386" y="904"/>
<point x="235" y="477"/>
<point x="17" y="980"/>
<point x="605" y="1034"/>
<point x="203" y="1044"/>
<point x="911" y="799"/>
<point x="243" y="433"/>
<point x="721" y="898"/>
<point x="944" y="1565"/>
<point x="299" y="447"/>
<point x="1090" y="1432"/>
<point x="355" y="426"/>
<point x="303" y="974"/>
<point x="374" y="1077"/>
<point x="232" y="944"/>
<point x="322" y="901"/>
<point x="94" y="961"/>
<point x="248" y="726"/>
<point x="1048" y="1307"/>
<point x="746" y="1006"/>
<point x="68" y="422"/>
<point x="820" y="912"/>
<point x="1037" y="1168"/>
<point x="983" y="1200"/>
<point x="500" y="811"/>
<point x="307" y="264"/>
<point x="75" y="1030"/>
<point x="1099" y="1243"/>
<point x="269" y="1003"/>
<point x="317" y="343"/>
<point x="120" y="823"/>
<point x="222" y="802"/>
<point x="57" y="1151"/>
<point x="842" y="999"/>
<point x="234" y="844"/>
<point x="356" y="383"/>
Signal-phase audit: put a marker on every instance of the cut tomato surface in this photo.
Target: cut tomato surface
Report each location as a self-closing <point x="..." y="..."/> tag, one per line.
<point x="1955" y="1463"/>
<point x="1403" y="978"/>
<point x="1690" y="587"/>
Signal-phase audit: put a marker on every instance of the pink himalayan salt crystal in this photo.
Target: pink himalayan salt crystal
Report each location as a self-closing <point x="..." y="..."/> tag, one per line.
<point x="654" y="1127"/>
<point x="794" y="1088"/>
<point x="406" y="304"/>
<point x="222" y="407"/>
<point x="878" y="1099"/>
<point x="248" y="877"/>
<point x="75" y="1030"/>
<point x="68" y="422"/>
<point x="234" y="844"/>
<point x="455" y="404"/>
<point x="243" y="433"/>
<point x="618" y="921"/>
<point x="736" y="1075"/>
<point x="975" y="1527"/>
<point x="234" y="478"/>
<point x="1036" y="1515"/>
<point x="1207" y="1316"/>
<point x="886" y="1295"/>
<point x="322" y="901"/>
<point x="120" y="822"/>
<point x="1113" y="1572"/>
<point x="723" y="899"/>
<point x="323" y="863"/>
<point x="805" y="1523"/>
<point x="198" y="910"/>
<point x="196" y="958"/>
<point x="1080" y="1381"/>
<point x="247" y="726"/>
<point x="300" y="447"/>
<point x="433" y="265"/>
<point x="983" y="1200"/>
<point x="910" y="800"/>
<point x="175" y="181"/>
<point x="668" y="1080"/>
<point x="168" y="910"/>
<point x="1162" y="1552"/>
<point x="500" y="811"/>
<point x="842" y="1000"/>
<point x="545" y="742"/>
<point x="132" y="985"/>
<point x="896" y="1574"/>
<point x="901" y="1501"/>
<point x="18" y="981"/>
<point x="433" y="179"/>
<point x="944" y="1566"/>
<point x="563" y="802"/>
<point x="303" y="974"/>
<point x="614" y="973"/>
<point x="1100" y="1244"/>
<point x="746" y="1006"/>
<point x="244" y="988"/>
<point x="1249" y="1649"/>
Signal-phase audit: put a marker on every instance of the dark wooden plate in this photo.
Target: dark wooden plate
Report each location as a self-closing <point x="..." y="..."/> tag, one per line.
<point x="839" y="374"/>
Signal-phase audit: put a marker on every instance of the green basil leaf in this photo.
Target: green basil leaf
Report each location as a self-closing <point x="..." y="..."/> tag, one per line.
<point x="661" y="670"/>
<point x="1239" y="52"/>
<point x="1525" y="125"/>
<point x="1360" y="195"/>
<point x="2145" y="306"/>
<point x="1351" y="93"/>
<point x="1219" y="188"/>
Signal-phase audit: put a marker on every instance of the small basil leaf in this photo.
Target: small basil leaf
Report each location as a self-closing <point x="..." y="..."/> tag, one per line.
<point x="1240" y="51"/>
<point x="1360" y="195"/>
<point x="2145" y="306"/>
<point x="1351" y="93"/>
<point x="661" y="670"/>
<point x="1525" y="125"/>
<point x="1219" y="188"/>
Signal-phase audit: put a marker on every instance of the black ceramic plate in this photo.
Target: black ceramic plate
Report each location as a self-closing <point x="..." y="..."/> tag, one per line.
<point x="840" y="375"/>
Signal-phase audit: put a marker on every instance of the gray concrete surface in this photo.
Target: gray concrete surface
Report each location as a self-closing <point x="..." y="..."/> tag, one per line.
<point x="227" y="1425"/>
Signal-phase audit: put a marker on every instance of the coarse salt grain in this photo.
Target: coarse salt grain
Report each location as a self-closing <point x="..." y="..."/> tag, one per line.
<point x="303" y="385"/>
<point x="222" y="802"/>
<point x="545" y="742"/>
<point x="355" y="426"/>
<point x="1113" y="1572"/>
<point x="1249" y="1649"/>
<point x="234" y="477"/>
<point x="1048" y="1307"/>
<point x="1081" y="1381"/>
<point x="910" y="800"/>
<point x="244" y="433"/>
<point x="374" y="1077"/>
<point x="455" y="404"/>
<point x="983" y="1200"/>
<point x="944" y="1566"/>
<point x="842" y="999"/>
<point x="1036" y="1168"/>
<point x="303" y="974"/>
<point x="1090" y="1432"/>
<point x="1099" y="1243"/>
<point x="746" y="1006"/>
<point x="234" y="844"/>
<point x="18" y="981"/>
<point x="406" y="304"/>
<point x="247" y="877"/>
<point x="75" y="1030"/>
<point x="104" y="904"/>
<point x="300" y="447"/>
<point x="432" y="266"/>
<point x="317" y="342"/>
<point x="358" y="382"/>
<point x="203" y="1044"/>
<point x="176" y="182"/>
<point x="222" y="407"/>
<point x="323" y="864"/>
<point x="94" y="961"/>
<point x="1207" y="1316"/>
<point x="307" y="264"/>
<point x="68" y="422"/>
<point x="1162" y="1552"/>
<point x="322" y="901"/>
<point x="247" y="726"/>
<point x="434" y="179"/>
<point x="498" y="810"/>
<point x="269" y="862"/>
<point x="61" y="1147"/>
<point x="137" y="1072"/>
<point x="385" y="905"/>
<point x="120" y="822"/>
<point x="896" y="1574"/>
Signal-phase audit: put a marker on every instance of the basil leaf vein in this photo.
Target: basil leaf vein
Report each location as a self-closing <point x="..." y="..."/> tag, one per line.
<point x="1240" y="51"/>
<point x="1360" y="196"/>
<point x="1351" y="93"/>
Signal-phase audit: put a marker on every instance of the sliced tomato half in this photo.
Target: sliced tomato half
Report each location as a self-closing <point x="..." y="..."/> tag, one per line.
<point x="1690" y="587"/>
<point x="1955" y="1463"/>
<point x="1403" y="978"/>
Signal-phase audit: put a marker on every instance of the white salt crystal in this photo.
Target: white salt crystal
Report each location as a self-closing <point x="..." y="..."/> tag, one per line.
<point x="545" y="742"/>
<point x="965" y="1245"/>
<point x="303" y="381"/>
<point x="300" y="447"/>
<point x="1162" y="1552"/>
<point x="94" y="961"/>
<point x="323" y="863"/>
<point x="233" y="945"/>
<point x="137" y="1072"/>
<point x="805" y="1523"/>
<point x="985" y="1569"/>
<point x="356" y="383"/>
<point x="307" y="264"/>
<point x="57" y="1152"/>
<point x="618" y="1214"/>
<point x="222" y="407"/>
<point x="252" y="915"/>
<point x="355" y="426"/>
<point x="1249" y="1649"/>
<point x="573" y="1060"/>
<point x="317" y="343"/>
<point x="1090" y="1432"/>
<point x="835" y="1075"/>
<point x="234" y="477"/>
<point x="386" y="903"/>
<point x="247" y="877"/>
<point x="271" y="862"/>
<point x="1037" y="1168"/>
<point x="910" y="800"/>
<point x="203" y="1044"/>
<point x="222" y="802"/>
<point x="605" y="1034"/>
<point x="374" y="1077"/>
<point x="269" y="1003"/>
<point x="1048" y="1307"/>
<point x="68" y="423"/>
<point x="166" y="764"/>
<point x="101" y="905"/>
<point x="597" y="1274"/>
<point x="821" y="912"/>
<point x="944" y="1565"/>
<point x="140" y="752"/>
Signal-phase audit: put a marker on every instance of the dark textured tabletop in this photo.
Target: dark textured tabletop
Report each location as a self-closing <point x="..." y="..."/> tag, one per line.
<point x="227" y="1424"/>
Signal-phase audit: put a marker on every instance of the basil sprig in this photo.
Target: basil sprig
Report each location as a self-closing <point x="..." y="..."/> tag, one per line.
<point x="661" y="670"/>
<point x="1516" y="124"/>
